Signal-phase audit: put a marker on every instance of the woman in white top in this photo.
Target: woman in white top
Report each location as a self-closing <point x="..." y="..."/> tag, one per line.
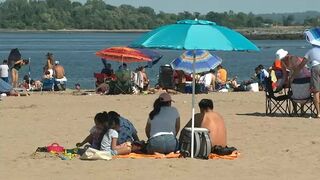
<point x="162" y="126"/>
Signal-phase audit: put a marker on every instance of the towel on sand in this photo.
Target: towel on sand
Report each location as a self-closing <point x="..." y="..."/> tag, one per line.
<point x="232" y="156"/>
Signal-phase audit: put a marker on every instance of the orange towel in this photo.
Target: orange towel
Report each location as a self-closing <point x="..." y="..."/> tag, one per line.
<point x="232" y="156"/>
<point x="153" y="156"/>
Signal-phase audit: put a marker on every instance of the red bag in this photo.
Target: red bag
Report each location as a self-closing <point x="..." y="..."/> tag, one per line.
<point x="54" y="147"/>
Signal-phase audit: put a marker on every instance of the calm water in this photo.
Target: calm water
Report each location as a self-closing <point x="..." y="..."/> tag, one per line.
<point x="76" y="52"/>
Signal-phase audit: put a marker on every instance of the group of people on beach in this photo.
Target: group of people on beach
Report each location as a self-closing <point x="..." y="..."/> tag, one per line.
<point x="210" y="81"/>
<point x="116" y="134"/>
<point x="291" y="71"/>
<point x="123" y="80"/>
<point x="52" y="69"/>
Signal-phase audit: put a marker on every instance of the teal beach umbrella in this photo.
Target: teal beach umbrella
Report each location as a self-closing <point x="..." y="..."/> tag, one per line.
<point x="194" y="35"/>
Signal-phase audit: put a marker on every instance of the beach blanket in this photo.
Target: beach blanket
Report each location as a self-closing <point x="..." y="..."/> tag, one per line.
<point x="232" y="156"/>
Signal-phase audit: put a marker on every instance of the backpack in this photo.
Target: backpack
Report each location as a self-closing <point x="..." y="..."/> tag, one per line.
<point x="202" y="143"/>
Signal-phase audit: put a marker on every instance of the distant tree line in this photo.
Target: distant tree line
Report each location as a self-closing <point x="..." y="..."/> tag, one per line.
<point x="96" y="14"/>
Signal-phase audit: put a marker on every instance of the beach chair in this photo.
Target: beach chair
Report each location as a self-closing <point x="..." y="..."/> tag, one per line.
<point x="166" y="78"/>
<point x="301" y="98"/>
<point x="47" y="85"/>
<point x="138" y="81"/>
<point x="276" y="104"/>
<point x="122" y="84"/>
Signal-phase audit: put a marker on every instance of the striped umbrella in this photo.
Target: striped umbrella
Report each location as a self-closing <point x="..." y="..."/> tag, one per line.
<point x="204" y="61"/>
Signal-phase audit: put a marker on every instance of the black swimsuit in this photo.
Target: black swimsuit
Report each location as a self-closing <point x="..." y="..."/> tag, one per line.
<point x="17" y="66"/>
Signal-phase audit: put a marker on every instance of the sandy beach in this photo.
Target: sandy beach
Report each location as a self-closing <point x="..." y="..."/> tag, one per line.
<point x="271" y="147"/>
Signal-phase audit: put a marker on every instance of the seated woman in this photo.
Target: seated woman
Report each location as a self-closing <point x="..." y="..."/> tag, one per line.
<point x="162" y="126"/>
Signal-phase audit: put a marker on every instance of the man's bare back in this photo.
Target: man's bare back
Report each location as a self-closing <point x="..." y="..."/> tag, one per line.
<point x="214" y="122"/>
<point x="59" y="71"/>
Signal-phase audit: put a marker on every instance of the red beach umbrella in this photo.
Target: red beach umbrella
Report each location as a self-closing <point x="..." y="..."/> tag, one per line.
<point x="123" y="54"/>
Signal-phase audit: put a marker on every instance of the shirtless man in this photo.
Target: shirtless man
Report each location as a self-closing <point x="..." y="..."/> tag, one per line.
<point x="58" y="71"/>
<point x="213" y="121"/>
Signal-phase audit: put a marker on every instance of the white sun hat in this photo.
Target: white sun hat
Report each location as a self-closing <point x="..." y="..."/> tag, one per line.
<point x="281" y="53"/>
<point x="313" y="36"/>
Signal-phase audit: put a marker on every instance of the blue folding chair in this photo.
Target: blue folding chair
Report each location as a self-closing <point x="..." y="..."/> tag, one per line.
<point x="47" y="84"/>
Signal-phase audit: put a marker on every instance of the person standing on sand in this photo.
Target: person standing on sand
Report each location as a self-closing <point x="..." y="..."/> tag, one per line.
<point x="4" y="71"/>
<point x="49" y="64"/>
<point x="15" y="71"/>
<point x="313" y="55"/>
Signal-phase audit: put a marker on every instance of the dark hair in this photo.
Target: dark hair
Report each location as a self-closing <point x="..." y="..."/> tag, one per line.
<point x="26" y="61"/>
<point x="206" y="104"/>
<point x="124" y="65"/>
<point x="5" y="61"/>
<point x="157" y="107"/>
<point x="219" y="66"/>
<point x="26" y="78"/>
<point x="261" y="66"/>
<point x="113" y="119"/>
<point x="102" y="118"/>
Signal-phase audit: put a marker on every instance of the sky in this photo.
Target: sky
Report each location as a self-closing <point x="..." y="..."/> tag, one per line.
<point x="204" y="6"/>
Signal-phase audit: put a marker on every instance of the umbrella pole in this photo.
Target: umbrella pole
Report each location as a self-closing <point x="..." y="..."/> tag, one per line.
<point x="29" y="73"/>
<point x="193" y="99"/>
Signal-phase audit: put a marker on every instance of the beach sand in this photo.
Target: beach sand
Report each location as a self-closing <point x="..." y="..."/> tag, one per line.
<point x="271" y="147"/>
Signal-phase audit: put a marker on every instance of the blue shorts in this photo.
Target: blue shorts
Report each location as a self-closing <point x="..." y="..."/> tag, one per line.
<point x="6" y="79"/>
<point x="162" y="144"/>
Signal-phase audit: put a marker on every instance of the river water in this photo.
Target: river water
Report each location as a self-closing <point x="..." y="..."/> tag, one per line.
<point x="76" y="52"/>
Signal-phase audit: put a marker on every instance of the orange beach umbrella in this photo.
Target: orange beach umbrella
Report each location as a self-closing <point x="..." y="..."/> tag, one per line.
<point x="123" y="54"/>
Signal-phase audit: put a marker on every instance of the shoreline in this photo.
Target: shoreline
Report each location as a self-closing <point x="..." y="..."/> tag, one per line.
<point x="265" y="33"/>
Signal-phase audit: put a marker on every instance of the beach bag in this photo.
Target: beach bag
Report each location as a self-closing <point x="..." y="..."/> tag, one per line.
<point x="94" y="154"/>
<point x="55" y="147"/>
<point x="202" y="143"/>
